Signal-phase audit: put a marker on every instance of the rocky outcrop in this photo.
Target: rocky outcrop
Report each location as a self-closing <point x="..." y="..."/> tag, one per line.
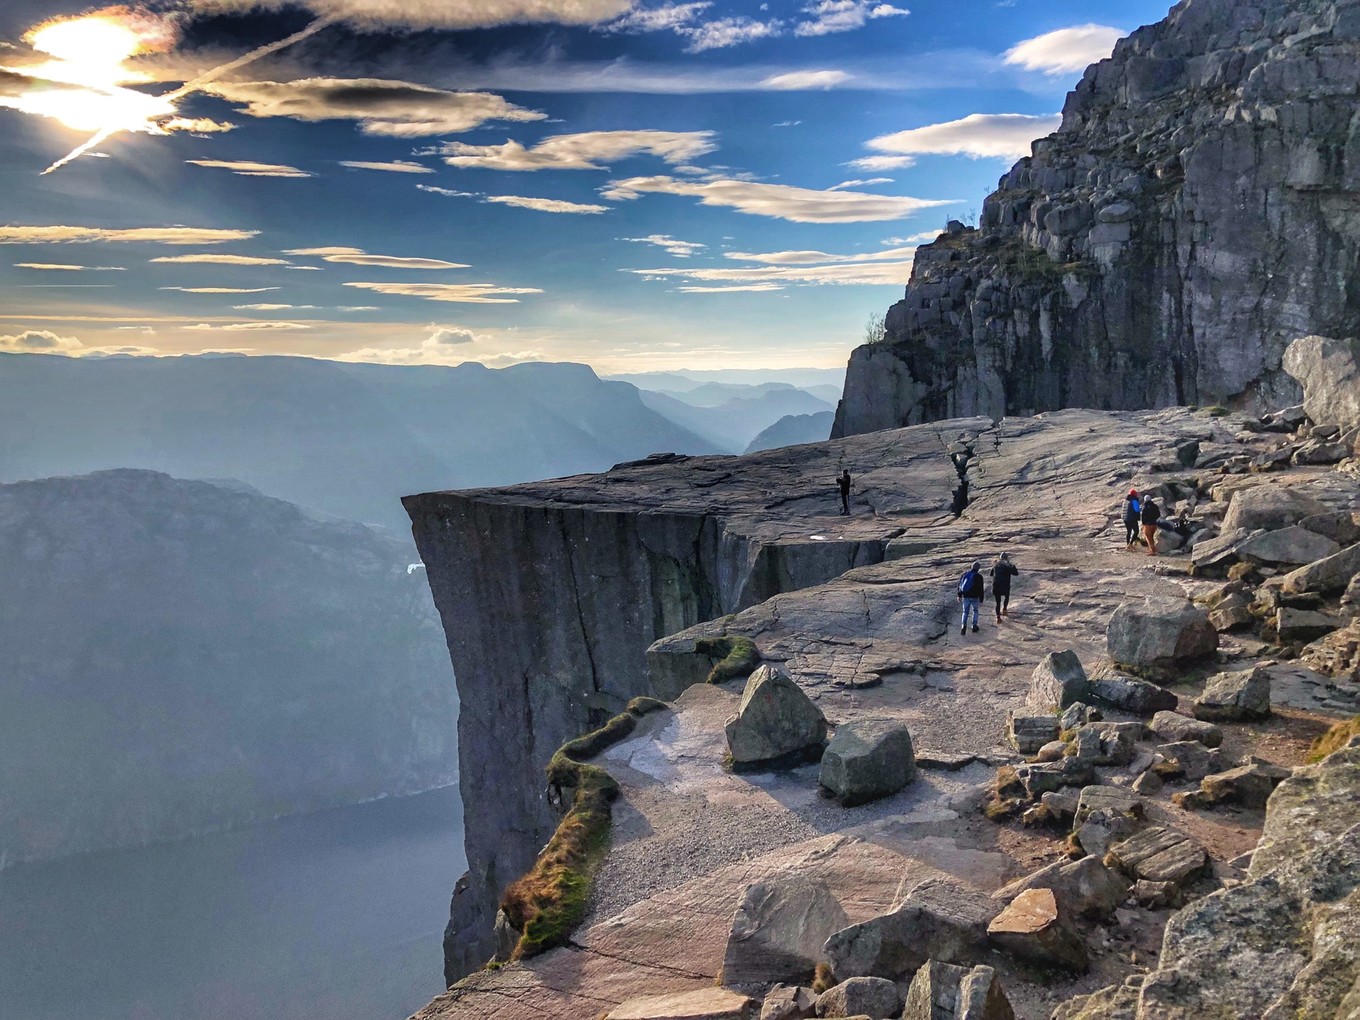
<point x="179" y="657"/>
<point x="1329" y="372"/>
<point x="779" y="930"/>
<point x="774" y="719"/>
<point x="1196" y="212"/>
<point x="1159" y="636"/>
<point x="867" y="759"/>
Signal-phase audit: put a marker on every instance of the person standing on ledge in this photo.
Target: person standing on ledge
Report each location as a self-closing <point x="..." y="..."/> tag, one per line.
<point x="844" y="482"/>
<point x="1132" y="508"/>
<point x="970" y="595"/>
<point x="1150" y="515"/>
<point x="1002" y="572"/>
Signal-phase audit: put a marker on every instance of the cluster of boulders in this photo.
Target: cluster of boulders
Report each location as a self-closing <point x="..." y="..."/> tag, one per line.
<point x="776" y="724"/>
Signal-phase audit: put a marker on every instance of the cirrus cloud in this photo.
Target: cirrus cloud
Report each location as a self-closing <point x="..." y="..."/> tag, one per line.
<point x="246" y="327"/>
<point x="1067" y="50"/>
<point x="454" y="293"/>
<point x="826" y="17"/>
<point x="133" y="235"/>
<point x="780" y="201"/>
<point x="549" y="205"/>
<point x="359" y="257"/>
<point x="210" y="258"/>
<point x="798" y="81"/>
<point x="399" y="166"/>
<point x="246" y="168"/>
<point x="979" y="135"/>
<point x="67" y="267"/>
<point x="588" y="150"/>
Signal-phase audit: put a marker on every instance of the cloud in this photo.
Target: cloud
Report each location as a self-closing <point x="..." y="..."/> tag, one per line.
<point x="399" y="166"/>
<point x="924" y="237"/>
<point x="725" y="32"/>
<point x="358" y="257"/>
<point x="221" y="260"/>
<point x="655" y="19"/>
<point x="392" y="109"/>
<point x="457" y="293"/>
<point x="248" y="169"/>
<point x="736" y="288"/>
<point x="860" y="184"/>
<point x="838" y="274"/>
<point x="831" y="16"/>
<point x="586" y="151"/>
<point x="245" y="327"/>
<point x="39" y="341"/>
<point x="449" y="192"/>
<point x="222" y="290"/>
<point x="143" y="235"/>
<point x="268" y="307"/>
<point x="797" y="81"/>
<point x="67" y="267"/>
<point x="872" y="163"/>
<point x="358" y="308"/>
<point x="803" y="258"/>
<point x="451" y="14"/>
<point x="197" y="125"/>
<point x="979" y="135"/>
<point x="780" y="201"/>
<point x="1067" y="50"/>
<point x="680" y="249"/>
<point x="550" y="205"/>
<point x="446" y="335"/>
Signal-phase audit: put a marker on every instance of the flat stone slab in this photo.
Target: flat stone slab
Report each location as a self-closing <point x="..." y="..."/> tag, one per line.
<point x="702" y="1004"/>
<point x="946" y="761"/>
<point x="1159" y="855"/>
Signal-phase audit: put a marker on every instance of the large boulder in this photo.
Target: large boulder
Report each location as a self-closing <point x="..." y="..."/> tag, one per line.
<point x="1058" y="681"/>
<point x="1270" y="508"/>
<point x="1337" y="654"/>
<point x="872" y="997"/>
<point x="1131" y="694"/>
<point x="935" y="920"/>
<point x="867" y="759"/>
<point x="1286" y="547"/>
<point x="1174" y="727"/>
<point x="1325" y="576"/>
<point x="1031" y="928"/>
<point x="1329" y="372"/>
<point x="774" y="719"/>
<point x="1235" y="697"/>
<point x="942" y="991"/>
<point x="1158" y="635"/>
<point x="1189" y="759"/>
<point x="1084" y="887"/>
<point x="778" y="931"/>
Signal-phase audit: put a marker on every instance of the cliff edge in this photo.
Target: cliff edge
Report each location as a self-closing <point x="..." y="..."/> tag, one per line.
<point x="1198" y="209"/>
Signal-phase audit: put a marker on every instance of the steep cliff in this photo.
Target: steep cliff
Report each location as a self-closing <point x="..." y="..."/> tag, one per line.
<point x="551" y="592"/>
<point x="1198" y="209"/>
<point x="177" y="657"/>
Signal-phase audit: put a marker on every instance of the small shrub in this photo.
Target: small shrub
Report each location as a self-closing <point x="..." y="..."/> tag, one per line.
<point x="1217" y="411"/>
<point x="823" y="979"/>
<point x="737" y="656"/>
<point x="546" y="904"/>
<point x="1333" y="740"/>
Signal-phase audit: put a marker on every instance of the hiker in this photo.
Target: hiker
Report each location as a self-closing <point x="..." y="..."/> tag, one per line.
<point x="1002" y="572"/>
<point x="970" y="595"/>
<point x="1150" y="514"/>
<point x="844" y="482"/>
<point x="1132" y="509"/>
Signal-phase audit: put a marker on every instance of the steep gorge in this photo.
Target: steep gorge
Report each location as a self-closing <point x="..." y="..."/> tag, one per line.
<point x="1197" y="210"/>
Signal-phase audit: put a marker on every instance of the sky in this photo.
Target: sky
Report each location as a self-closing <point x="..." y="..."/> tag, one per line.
<point x="639" y="185"/>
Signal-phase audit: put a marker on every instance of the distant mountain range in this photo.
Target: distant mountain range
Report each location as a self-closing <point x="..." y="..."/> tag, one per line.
<point x="734" y="422"/>
<point x="794" y="430"/>
<point x="178" y="656"/>
<point x="342" y="439"/>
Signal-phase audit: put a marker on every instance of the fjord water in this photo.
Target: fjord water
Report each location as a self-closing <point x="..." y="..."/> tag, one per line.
<point x="337" y="914"/>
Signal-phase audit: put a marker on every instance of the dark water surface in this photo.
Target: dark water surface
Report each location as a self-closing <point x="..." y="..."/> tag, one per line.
<point x="332" y="916"/>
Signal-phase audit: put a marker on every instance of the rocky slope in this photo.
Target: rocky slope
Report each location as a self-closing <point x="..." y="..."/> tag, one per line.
<point x="1198" y="209"/>
<point x="543" y="571"/>
<point x="179" y="657"/>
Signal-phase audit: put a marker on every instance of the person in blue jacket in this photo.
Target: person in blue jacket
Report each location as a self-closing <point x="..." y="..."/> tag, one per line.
<point x="1133" y="509"/>
<point x="971" y="593"/>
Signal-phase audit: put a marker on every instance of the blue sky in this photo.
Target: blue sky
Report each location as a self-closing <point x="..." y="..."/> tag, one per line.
<point x="636" y="184"/>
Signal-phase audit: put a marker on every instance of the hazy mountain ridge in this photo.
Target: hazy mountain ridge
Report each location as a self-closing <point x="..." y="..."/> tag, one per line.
<point x="179" y="656"/>
<point x="794" y="430"/>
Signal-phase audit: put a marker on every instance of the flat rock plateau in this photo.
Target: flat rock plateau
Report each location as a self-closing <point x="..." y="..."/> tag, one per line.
<point x="564" y="599"/>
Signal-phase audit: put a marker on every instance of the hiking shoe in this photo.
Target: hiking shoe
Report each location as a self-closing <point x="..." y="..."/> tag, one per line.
<point x="975" y="628"/>
<point x="963" y="629"/>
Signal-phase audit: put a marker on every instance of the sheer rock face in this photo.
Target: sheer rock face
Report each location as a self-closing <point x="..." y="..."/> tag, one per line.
<point x="1197" y="211"/>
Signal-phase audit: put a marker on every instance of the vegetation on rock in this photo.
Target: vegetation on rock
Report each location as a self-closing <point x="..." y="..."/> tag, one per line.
<point x="1333" y="740"/>
<point x="737" y="657"/>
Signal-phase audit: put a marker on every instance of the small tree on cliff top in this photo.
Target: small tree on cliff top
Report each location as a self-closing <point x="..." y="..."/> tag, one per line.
<point x="875" y="330"/>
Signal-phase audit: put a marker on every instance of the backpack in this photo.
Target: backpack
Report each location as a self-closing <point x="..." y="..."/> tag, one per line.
<point x="966" y="583"/>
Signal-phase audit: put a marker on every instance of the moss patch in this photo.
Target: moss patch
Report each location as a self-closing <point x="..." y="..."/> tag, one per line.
<point x="737" y="657"/>
<point x="1333" y="740"/>
<point x="548" y="903"/>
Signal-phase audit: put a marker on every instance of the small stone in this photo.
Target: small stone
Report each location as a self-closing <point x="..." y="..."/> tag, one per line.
<point x="1052" y="751"/>
<point x="1248" y="785"/>
<point x="1031" y="929"/>
<point x="1159" y="855"/>
<point x="1047" y="777"/>
<point x="945" y="761"/>
<point x="1235" y="697"/>
<point x="788" y="1002"/>
<point x="1188" y="759"/>
<point x="1148" y="784"/>
<point x="942" y="991"/>
<point x="1085" y="887"/>
<point x="1028" y="733"/>
<point x="1058" y="681"/>
<point x="860" y="996"/>
<point x="1132" y="694"/>
<point x="1078" y="714"/>
<point x="1156" y="895"/>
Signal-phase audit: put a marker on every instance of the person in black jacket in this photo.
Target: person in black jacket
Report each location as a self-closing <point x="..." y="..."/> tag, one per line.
<point x="1002" y="572"/>
<point x="844" y="482"/>
<point x="1150" y="514"/>
<point x="970" y="595"/>
<point x="1132" y="508"/>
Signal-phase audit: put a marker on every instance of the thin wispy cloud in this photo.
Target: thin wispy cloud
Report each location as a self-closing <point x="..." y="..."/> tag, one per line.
<point x="449" y="14"/>
<point x="359" y="257"/>
<point x="803" y="258"/>
<point x="132" y="235"/>
<point x="246" y="327"/>
<point x="803" y="81"/>
<point x="827" y="17"/>
<point x="591" y="150"/>
<point x="870" y="182"/>
<point x="780" y="201"/>
<point x="548" y="205"/>
<point x="736" y="288"/>
<point x="456" y="293"/>
<point x="836" y="274"/>
<point x="212" y="258"/>
<point x="222" y="290"/>
<point x="979" y="135"/>
<point x="667" y="17"/>
<point x="391" y="109"/>
<point x="1066" y="51"/>
<point x="68" y="268"/>
<point x="672" y="246"/>
<point x="399" y="166"/>
<point x="246" y="168"/>
<point x="269" y="308"/>
<point x="872" y="163"/>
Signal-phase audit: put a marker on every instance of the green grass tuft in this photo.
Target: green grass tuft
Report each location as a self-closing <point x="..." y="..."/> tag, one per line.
<point x="1333" y="740"/>
<point x="737" y="657"/>
<point x="547" y="904"/>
